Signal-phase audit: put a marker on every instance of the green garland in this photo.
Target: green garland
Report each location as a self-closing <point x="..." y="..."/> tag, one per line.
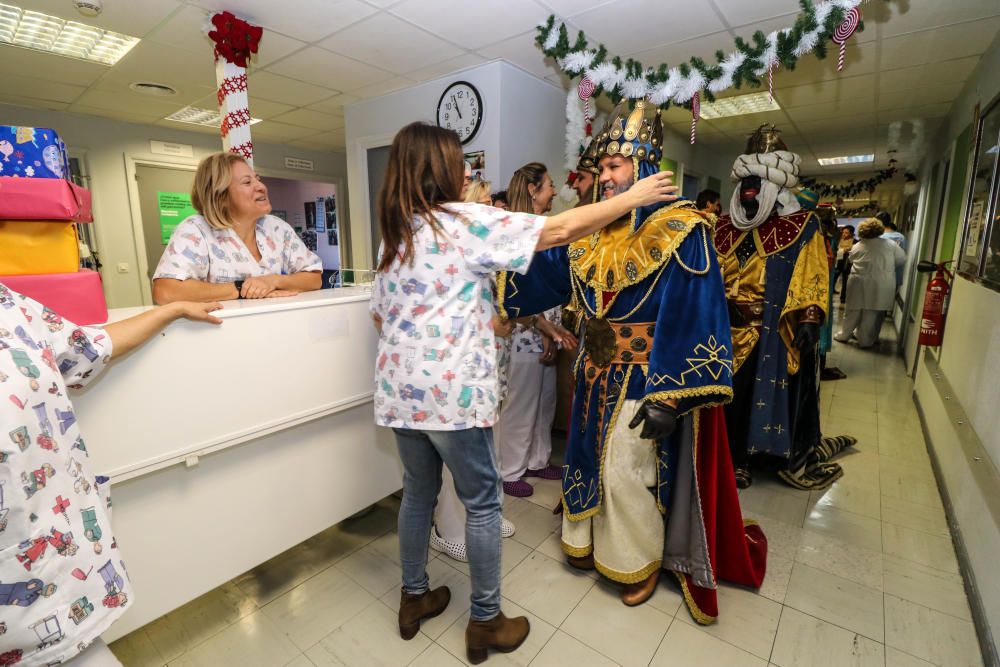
<point x="851" y="188"/>
<point x="663" y="85"/>
<point x="859" y="211"/>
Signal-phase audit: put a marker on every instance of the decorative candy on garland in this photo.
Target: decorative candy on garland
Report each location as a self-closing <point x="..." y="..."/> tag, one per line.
<point x="844" y="32"/>
<point x="695" y="115"/>
<point x="586" y="90"/>
<point x="235" y="42"/>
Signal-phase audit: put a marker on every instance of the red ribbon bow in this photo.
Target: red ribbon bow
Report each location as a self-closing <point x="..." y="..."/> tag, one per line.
<point x="235" y="39"/>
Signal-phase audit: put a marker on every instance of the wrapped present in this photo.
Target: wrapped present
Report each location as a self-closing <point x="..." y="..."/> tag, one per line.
<point x="30" y="247"/>
<point x="78" y="296"/>
<point x="32" y="152"/>
<point x="43" y="199"/>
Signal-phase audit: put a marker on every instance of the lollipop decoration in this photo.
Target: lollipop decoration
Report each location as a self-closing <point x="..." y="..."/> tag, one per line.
<point x="586" y="90"/>
<point x="844" y="32"/>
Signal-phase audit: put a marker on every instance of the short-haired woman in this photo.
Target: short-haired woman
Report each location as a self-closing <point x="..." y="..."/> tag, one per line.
<point x="436" y="381"/>
<point x="233" y="249"/>
<point x="478" y="192"/>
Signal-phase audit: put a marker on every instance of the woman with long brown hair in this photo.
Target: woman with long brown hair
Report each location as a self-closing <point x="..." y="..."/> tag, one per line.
<point x="436" y="383"/>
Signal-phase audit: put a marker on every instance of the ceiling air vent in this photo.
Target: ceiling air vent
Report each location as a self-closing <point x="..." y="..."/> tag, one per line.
<point x="150" y="88"/>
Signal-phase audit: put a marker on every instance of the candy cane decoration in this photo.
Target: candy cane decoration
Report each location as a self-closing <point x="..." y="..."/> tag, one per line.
<point x="695" y="114"/>
<point x="770" y="82"/>
<point x="844" y="32"/>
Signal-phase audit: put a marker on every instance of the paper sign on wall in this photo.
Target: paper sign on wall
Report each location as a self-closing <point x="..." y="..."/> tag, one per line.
<point x="320" y="215"/>
<point x="174" y="208"/>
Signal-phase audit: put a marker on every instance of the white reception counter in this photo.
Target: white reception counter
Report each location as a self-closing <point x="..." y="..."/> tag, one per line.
<point x="227" y="445"/>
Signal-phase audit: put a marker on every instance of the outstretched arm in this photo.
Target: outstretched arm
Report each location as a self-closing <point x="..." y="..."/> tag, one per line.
<point x="129" y="334"/>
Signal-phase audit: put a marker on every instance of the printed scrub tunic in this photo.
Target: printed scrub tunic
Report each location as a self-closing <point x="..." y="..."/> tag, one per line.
<point x="62" y="577"/>
<point x="200" y="252"/>
<point x="437" y="356"/>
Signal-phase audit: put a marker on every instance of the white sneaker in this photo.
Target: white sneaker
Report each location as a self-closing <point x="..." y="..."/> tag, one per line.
<point x="454" y="550"/>
<point x="506" y="528"/>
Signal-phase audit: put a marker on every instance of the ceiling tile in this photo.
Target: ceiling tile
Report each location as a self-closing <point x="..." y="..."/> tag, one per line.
<point x="810" y="69"/>
<point x="826" y="92"/>
<point x="323" y="68"/>
<point x="920" y="96"/>
<point x="130" y="18"/>
<point x="311" y="119"/>
<point x="128" y="101"/>
<point x="676" y="53"/>
<point x="741" y="12"/>
<point x="116" y="114"/>
<point x="464" y="61"/>
<point x="328" y="140"/>
<point x="308" y="20"/>
<point x="900" y="18"/>
<point x="620" y="25"/>
<point x="12" y="85"/>
<point x="949" y="70"/>
<point x="268" y="86"/>
<point x="743" y="125"/>
<point x="568" y="8"/>
<point x="177" y="68"/>
<point x="334" y="105"/>
<point x="275" y="131"/>
<point x="259" y="108"/>
<point x="391" y="44"/>
<point x="969" y="39"/>
<point x="523" y="52"/>
<point x="47" y="67"/>
<point x="836" y="109"/>
<point x="479" y="23"/>
<point x="848" y="128"/>
<point x="32" y="103"/>
<point x="382" y="88"/>
<point x="189" y="127"/>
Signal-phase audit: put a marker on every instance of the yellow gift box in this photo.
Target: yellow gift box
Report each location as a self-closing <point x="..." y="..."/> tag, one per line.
<point x="31" y="247"/>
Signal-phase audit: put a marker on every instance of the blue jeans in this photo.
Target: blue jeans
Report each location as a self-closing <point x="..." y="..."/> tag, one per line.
<point x="469" y="456"/>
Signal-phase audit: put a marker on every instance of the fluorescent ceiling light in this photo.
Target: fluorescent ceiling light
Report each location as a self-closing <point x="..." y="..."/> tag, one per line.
<point x="739" y="105"/>
<point x="196" y="116"/>
<point x="34" y="30"/>
<point x="846" y="159"/>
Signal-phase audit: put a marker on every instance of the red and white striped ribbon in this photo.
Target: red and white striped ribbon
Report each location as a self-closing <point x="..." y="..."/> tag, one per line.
<point x="695" y="114"/>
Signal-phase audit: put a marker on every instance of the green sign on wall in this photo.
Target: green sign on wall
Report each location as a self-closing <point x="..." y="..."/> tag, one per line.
<point x="174" y="208"/>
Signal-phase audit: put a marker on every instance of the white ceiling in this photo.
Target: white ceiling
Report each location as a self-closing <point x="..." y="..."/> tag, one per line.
<point x="318" y="55"/>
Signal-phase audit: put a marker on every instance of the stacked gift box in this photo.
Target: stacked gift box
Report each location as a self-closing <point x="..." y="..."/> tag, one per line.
<point x="39" y="208"/>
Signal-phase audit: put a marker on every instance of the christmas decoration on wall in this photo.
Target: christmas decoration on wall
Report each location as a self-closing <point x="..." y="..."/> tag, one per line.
<point x="851" y="188"/>
<point x="664" y="85"/>
<point x="862" y="211"/>
<point x="844" y="32"/>
<point x="235" y="42"/>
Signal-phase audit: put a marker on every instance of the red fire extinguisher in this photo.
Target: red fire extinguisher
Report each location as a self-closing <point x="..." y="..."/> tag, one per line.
<point x="935" y="302"/>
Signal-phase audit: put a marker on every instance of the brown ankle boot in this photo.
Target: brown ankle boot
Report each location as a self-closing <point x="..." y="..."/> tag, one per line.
<point x="415" y="608"/>
<point x="500" y="633"/>
<point x="581" y="562"/>
<point x="637" y="593"/>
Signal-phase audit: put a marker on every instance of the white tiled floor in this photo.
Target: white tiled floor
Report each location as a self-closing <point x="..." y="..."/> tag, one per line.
<point x="863" y="573"/>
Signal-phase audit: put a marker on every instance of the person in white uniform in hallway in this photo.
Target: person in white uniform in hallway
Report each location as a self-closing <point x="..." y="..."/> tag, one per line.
<point x="871" y="287"/>
<point x="524" y="431"/>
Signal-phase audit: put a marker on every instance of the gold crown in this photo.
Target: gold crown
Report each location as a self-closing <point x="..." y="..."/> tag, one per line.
<point x="588" y="160"/>
<point x="765" y="139"/>
<point x="631" y="134"/>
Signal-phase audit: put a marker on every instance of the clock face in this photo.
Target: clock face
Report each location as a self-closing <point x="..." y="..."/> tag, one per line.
<point x="461" y="109"/>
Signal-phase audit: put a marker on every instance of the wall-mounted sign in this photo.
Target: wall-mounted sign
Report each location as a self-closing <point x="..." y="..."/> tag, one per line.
<point x="170" y="148"/>
<point x="174" y="208"/>
<point x="298" y="163"/>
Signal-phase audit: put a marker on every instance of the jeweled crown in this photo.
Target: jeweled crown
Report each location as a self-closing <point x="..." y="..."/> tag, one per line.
<point x="765" y="139"/>
<point x="589" y="157"/>
<point x="631" y="134"/>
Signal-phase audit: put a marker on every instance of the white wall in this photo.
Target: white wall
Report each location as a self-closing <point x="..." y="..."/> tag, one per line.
<point x="106" y="143"/>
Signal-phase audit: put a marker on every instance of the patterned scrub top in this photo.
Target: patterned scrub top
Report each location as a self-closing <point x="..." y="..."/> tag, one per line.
<point x="436" y="368"/>
<point x="62" y="577"/>
<point x="527" y="340"/>
<point x="199" y="251"/>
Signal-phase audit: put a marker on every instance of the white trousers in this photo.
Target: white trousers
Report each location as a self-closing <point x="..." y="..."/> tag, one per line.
<point x="449" y="515"/>
<point x="865" y="324"/>
<point x="526" y="418"/>
<point x="626" y="535"/>
<point x="96" y="655"/>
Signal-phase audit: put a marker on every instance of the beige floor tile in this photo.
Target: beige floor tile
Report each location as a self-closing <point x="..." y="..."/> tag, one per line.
<point x="920" y="493"/>
<point x="668" y="597"/>
<point x="548" y="492"/>
<point x="861" y="531"/>
<point x="435" y="656"/>
<point x="138" y="650"/>
<point x="545" y="587"/>
<point x="912" y="515"/>
<point x="844" y="560"/>
<point x="806" y="641"/>
<point x="860" y="469"/>
<point x="836" y="600"/>
<point x="254" y="641"/>
<point x="318" y="606"/>
<point x="440" y="575"/>
<point x="196" y="621"/>
<point x="782" y="538"/>
<point x="627" y="635"/>
<point x="372" y="639"/>
<point x="785" y="507"/>
<point x="938" y="638"/>
<point x="915" y="469"/>
<point x="902" y="445"/>
<point x="746" y="620"/>
<point x="563" y="650"/>
<point x="301" y="661"/>
<point x="533" y="523"/>
<point x="282" y="573"/>
<point x="930" y="550"/>
<point x="688" y="646"/>
<point x="942" y="591"/>
<point x="853" y="412"/>
<point x="779" y="571"/>
<point x="453" y="640"/>
<point x="848" y="498"/>
<point x="376" y="572"/>
<point x="512" y="553"/>
<point x="552" y="547"/>
<point x="388" y="545"/>
<point x="896" y="658"/>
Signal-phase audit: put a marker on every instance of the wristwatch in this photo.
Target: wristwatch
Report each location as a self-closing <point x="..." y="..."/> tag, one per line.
<point x="238" y="284"/>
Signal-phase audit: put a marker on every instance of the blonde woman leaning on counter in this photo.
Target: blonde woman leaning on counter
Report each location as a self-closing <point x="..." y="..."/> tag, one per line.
<point x="233" y="249"/>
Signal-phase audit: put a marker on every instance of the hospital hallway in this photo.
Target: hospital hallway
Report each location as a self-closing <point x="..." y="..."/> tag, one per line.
<point x="863" y="573"/>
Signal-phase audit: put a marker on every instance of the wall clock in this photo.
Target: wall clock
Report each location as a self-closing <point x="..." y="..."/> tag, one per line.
<point x="461" y="109"/>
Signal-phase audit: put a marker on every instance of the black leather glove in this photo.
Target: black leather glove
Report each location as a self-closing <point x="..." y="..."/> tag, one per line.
<point x="658" y="421"/>
<point x="807" y="336"/>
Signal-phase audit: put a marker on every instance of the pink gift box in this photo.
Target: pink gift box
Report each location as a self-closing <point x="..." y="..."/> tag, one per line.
<point x="76" y="296"/>
<point x="43" y="199"/>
